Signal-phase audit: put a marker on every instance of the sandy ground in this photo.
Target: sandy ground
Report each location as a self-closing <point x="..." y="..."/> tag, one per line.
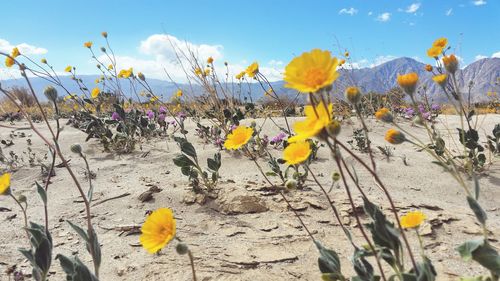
<point x="269" y="245"/>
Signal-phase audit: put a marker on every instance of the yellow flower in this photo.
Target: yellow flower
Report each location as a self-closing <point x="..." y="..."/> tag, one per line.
<point x="4" y="184"/>
<point x="110" y="67"/>
<point x="428" y="67"/>
<point x="95" y="92"/>
<point x="210" y="60"/>
<point x="412" y="219"/>
<point x="441" y="42"/>
<point x="68" y="68"/>
<point x="297" y="152"/>
<point x="311" y="71"/>
<point x="197" y="71"/>
<point x="268" y="93"/>
<point x="157" y="230"/>
<point x="126" y="73"/>
<point x="238" y="137"/>
<point x="394" y="136"/>
<point x="450" y="63"/>
<point x="240" y="75"/>
<point x="87" y="44"/>
<point x="316" y="120"/>
<point x="352" y="94"/>
<point x="9" y="62"/>
<point x="178" y="93"/>
<point x="15" y="52"/>
<point x="408" y="82"/>
<point x="207" y="72"/>
<point x="346" y="54"/>
<point x="341" y="62"/>
<point x="252" y="69"/>
<point x="434" y="51"/>
<point x="44" y="61"/>
<point x="153" y="99"/>
<point x="440" y="79"/>
<point x="384" y="115"/>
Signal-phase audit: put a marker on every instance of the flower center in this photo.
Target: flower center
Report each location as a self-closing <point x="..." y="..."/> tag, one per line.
<point x="314" y="77"/>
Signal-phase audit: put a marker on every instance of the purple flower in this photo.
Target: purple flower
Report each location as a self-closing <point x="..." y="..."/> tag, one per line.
<point x="410" y="111"/>
<point x="181" y="115"/>
<point x="233" y="127"/>
<point x="161" y="117"/>
<point x="435" y="107"/>
<point x="150" y="114"/>
<point x="278" y="138"/>
<point x="115" y="116"/>
<point x="426" y="115"/>
<point x="219" y="141"/>
<point x="162" y="110"/>
<point x="421" y="108"/>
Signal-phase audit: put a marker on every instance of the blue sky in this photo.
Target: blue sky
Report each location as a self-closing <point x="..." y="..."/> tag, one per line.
<point x="270" y="32"/>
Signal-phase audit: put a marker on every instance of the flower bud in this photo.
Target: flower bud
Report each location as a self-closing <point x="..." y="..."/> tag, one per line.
<point x="253" y="124"/>
<point x="335" y="176"/>
<point x="450" y="63"/>
<point x="181" y="249"/>
<point x="104" y="34"/>
<point x="76" y="148"/>
<point x="384" y="115"/>
<point x="353" y="95"/>
<point x="141" y="76"/>
<point x="291" y="184"/>
<point x="103" y="49"/>
<point x="394" y="136"/>
<point x="22" y="199"/>
<point x="333" y="128"/>
<point x="51" y="93"/>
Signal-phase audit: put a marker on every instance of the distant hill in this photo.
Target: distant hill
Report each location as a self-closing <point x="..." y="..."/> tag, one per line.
<point x="381" y="78"/>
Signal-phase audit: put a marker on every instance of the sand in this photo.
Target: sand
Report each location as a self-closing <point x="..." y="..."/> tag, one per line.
<point x="269" y="245"/>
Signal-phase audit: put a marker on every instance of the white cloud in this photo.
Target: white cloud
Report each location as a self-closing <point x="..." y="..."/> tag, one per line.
<point x="351" y="11"/>
<point x="479" y="2"/>
<point x="449" y="12"/>
<point x="413" y="8"/>
<point x="479" y="57"/>
<point x="496" y="55"/>
<point x="24" y="48"/>
<point x="370" y="13"/>
<point x="161" y="50"/>
<point x="384" y="17"/>
<point x="372" y="63"/>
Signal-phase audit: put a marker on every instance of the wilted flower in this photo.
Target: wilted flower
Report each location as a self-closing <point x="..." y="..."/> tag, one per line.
<point x="316" y="120"/>
<point x="141" y="76"/>
<point x="440" y="79"/>
<point x="311" y="71"/>
<point x="428" y="67"/>
<point x="4" y="184"/>
<point x="297" y="152"/>
<point x="384" y="114"/>
<point x="450" y="63"/>
<point x="252" y="70"/>
<point x="353" y="95"/>
<point x="412" y="219"/>
<point x="408" y="82"/>
<point x="394" y="136"/>
<point x="158" y="230"/>
<point x="238" y="137"/>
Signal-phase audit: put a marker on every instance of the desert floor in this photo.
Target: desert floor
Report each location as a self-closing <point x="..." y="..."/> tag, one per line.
<point x="228" y="245"/>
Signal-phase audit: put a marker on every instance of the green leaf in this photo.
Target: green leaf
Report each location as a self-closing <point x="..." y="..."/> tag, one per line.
<point x="80" y="231"/>
<point x="328" y="261"/>
<point x="212" y="164"/>
<point x="476" y="187"/>
<point x="476" y="208"/>
<point x="182" y="160"/>
<point x="41" y="191"/>
<point x="188" y="149"/>
<point x="468" y="247"/>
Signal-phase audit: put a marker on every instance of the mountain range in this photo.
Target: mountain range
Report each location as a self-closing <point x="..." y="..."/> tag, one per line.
<point x="484" y="73"/>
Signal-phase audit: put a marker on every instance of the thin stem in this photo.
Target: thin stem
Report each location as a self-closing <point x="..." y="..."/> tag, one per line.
<point x="191" y="260"/>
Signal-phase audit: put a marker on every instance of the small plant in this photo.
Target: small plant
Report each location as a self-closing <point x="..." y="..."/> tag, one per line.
<point x="190" y="166"/>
